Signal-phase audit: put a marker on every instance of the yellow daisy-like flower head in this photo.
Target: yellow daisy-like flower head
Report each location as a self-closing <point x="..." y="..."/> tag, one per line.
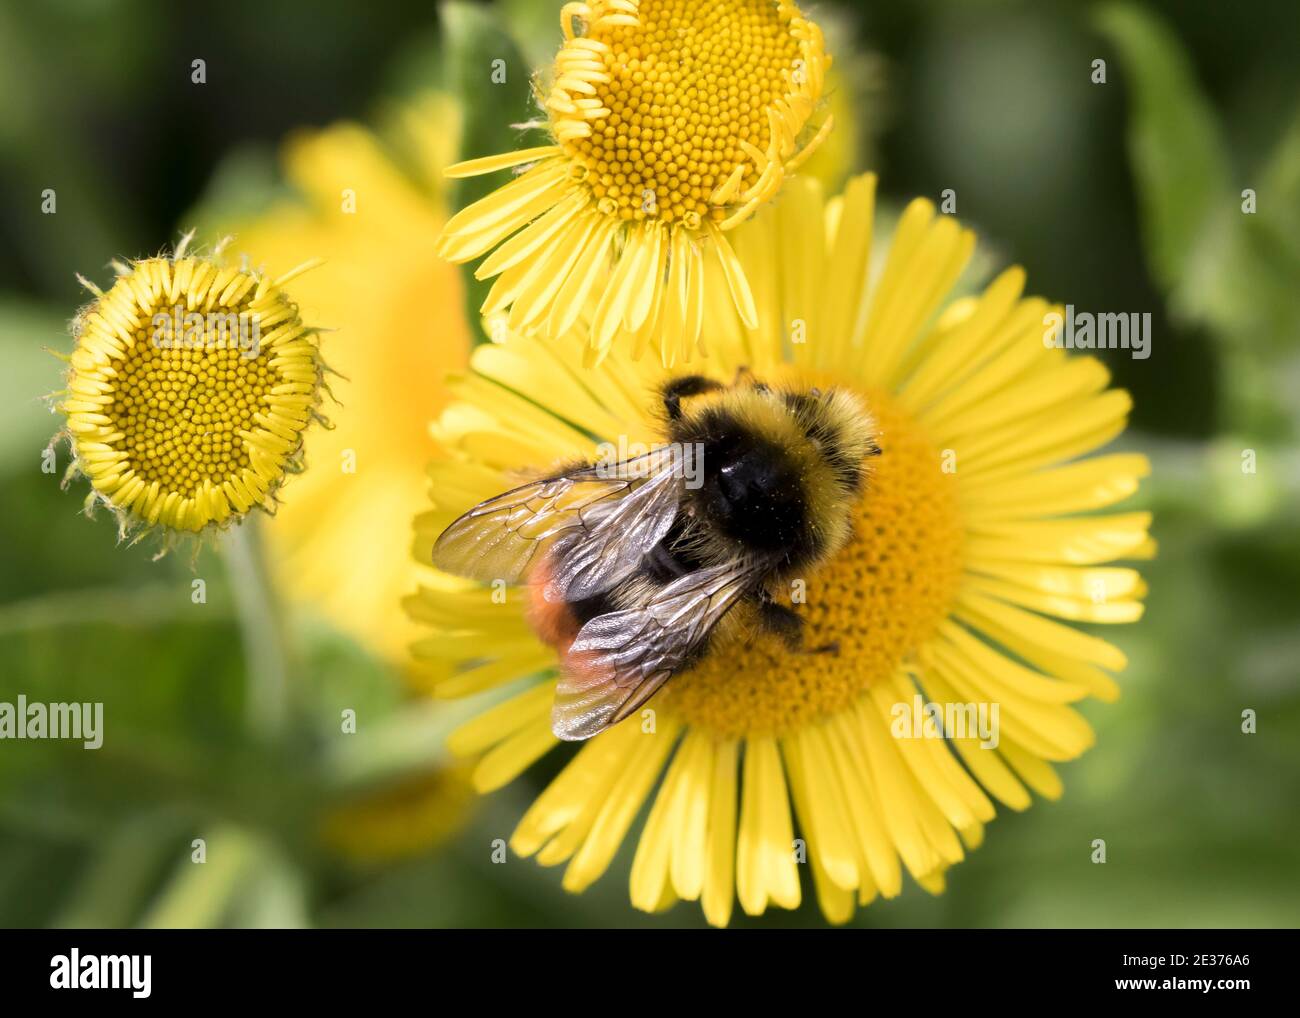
<point x="978" y="537"/>
<point x="673" y="122"/>
<point x="188" y="390"/>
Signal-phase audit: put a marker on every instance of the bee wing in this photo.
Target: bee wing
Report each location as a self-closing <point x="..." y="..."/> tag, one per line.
<point x="607" y="515"/>
<point x="618" y="660"/>
<point x="619" y="533"/>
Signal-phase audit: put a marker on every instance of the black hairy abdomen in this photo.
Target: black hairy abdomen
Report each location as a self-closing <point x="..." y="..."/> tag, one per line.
<point x="588" y="608"/>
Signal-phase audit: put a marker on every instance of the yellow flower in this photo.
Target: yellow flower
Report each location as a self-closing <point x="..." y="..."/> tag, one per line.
<point x="673" y="121"/>
<point x="977" y="532"/>
<point x="188" y="391"/>
<point x="402" y="820"/>
<point x="397" y="308"/>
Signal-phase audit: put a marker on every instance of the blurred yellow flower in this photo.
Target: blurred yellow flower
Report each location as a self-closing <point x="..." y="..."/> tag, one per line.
<point x="403" y="819"/>
<point x="341" y="544"/>
<point x="188" y="391"/>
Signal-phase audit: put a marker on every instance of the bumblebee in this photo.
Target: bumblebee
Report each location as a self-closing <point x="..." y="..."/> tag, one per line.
<point x="635" y="564"/>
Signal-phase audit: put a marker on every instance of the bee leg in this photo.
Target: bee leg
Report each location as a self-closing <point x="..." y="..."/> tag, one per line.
<point x="679" y="388"/>
<point x="745" y="375"/>
<point x="783" y="621"/>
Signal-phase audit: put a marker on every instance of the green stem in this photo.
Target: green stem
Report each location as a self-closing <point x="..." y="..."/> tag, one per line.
<point x="261" y="627"/>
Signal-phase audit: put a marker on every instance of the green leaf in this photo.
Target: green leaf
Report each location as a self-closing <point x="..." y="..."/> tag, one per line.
<point x="1175" y="144"/>
<point x="1279" y="191"/>
<point x="1254" y="263"/>
<point x="121" y="876"/>
<point x="535" y="28"/>
<point x="477" y="51"/>
<point x="151" y="604"/>
<point x="28" y="333"/>
<point x="1221" y="233"/>
<point x="273" y="896"/>
<point x="202" y="894"/>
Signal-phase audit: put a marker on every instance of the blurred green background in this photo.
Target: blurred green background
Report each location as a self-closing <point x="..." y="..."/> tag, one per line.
<point x="1122" y="196"/>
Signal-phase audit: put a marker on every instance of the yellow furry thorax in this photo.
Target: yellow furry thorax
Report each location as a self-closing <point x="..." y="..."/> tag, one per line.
<point x="839" y="418"/>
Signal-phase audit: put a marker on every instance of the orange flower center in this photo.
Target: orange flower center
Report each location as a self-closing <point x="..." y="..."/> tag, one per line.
<point x="686" y="87"/>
